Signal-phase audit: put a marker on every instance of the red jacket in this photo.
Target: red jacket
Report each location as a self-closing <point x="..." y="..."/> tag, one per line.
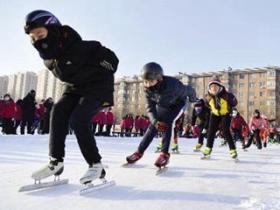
<point x="258" y="123"/>
<point x="109" y="118"/>
<point x="94" y="119"/>
<point x="100" y="118"/>
<point x="8" y="109"/>
<point x="238" y="122"/>
<point x="18" y="115"/>
<point x="129" y="123"/>
<point x="40" y="111"/>
<point x="138" y="123"/>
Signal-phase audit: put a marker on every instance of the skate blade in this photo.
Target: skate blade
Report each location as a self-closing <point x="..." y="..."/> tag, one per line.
<point x="90" y="187"/>
<point x="197" y="150"/>
<point x="161" y="170"/>
<point x="43" y="185"/>
<point x="236" y="160"/>
<point x="127" y="165"/>
<point x="175" y="152"/>
<point x="205" y="157"/>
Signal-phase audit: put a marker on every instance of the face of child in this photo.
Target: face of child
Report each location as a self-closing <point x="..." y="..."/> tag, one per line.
<point x="38" y="34"/>
<point x="214" y="89"/>
<point x="149" y="83"/>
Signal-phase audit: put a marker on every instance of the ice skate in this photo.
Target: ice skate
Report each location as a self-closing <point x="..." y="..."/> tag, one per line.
<point x="158" y="149"/>
<point x="175" y="149"/>
<point x="206" y="153"/>
<point x="133" y="158"/>
<point x="233" y="154"/>
<point x="94" y="179"/>
<point x="197" y="148"/>
<point x="95" y="171"/>
<point x="161" y="163"/>
<point x="53" y="168"/>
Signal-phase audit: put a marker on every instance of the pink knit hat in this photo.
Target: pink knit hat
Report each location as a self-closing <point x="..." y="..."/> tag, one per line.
<point x="215" y="80"/>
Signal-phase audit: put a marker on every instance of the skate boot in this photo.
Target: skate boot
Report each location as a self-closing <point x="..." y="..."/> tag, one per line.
<point x="197" y="148"/>
<point x="158" y="149"/>
<point x="162" y="160"/>
<point x="264" y="144"/>
<point x="233" y="153"/>
<point x="206" y="153"/>
<point x="53" y="168"/>
<point x="134" y="157"/>
<point x="175" y="148"/>
<point x="95" y="171"/>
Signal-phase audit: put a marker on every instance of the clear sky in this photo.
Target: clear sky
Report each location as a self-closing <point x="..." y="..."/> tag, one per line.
<point x="182" y="35"/>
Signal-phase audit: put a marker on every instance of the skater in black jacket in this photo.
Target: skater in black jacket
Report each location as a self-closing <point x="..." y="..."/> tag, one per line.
<point x="87" y="68"/>
<point x="166" y="100"/>
<point x="201" y="112"/>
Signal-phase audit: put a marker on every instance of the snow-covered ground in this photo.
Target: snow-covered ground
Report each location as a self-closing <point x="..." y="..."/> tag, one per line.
<point x="189" y="183"/>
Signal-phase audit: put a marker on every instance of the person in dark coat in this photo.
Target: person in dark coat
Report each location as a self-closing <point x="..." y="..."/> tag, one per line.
<point x="87" y="69"/>
<point x="18" y="115"/>
<point x="28" y="112"/>
<point x="166" y="101"/>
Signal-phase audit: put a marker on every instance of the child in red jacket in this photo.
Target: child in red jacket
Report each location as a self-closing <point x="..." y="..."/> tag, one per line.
<point x="8" y="113"/>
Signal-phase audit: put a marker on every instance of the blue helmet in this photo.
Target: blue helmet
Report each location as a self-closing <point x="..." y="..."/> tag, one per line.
<point x="152" y="71"/>
<point x="40" y="18"/>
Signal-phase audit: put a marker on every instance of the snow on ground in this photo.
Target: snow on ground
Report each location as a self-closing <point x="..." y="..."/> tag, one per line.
<point x="189" y="183"/>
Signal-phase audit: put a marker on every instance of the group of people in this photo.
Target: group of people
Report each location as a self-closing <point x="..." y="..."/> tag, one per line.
<point x="103" y="122"/>
<point x="87" y="68"/>
<point x="139" y="124"/>
<point x="25" y="113"/>
<point x="218" y="117"/>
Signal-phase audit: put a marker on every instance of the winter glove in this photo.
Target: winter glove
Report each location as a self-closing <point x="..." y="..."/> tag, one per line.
<point x="161" y="126"/>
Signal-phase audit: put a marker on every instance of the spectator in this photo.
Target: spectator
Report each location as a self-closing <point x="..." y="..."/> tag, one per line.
<point x="28" y="112"/>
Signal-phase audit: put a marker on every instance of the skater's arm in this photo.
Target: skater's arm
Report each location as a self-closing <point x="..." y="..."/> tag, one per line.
<point x="151" y="109"/>
<point x="193" y="117"/>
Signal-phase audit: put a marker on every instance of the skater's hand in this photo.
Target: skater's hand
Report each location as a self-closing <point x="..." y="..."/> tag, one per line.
<point x="204" y="131"/>
<point x="161" y="126"/>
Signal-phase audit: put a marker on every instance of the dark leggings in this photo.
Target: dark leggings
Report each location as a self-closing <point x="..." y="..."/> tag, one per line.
<point x="214" y="123"/>
<point x="78" y="111"/>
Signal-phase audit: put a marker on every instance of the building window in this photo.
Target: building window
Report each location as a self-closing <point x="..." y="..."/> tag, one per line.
<point x="241" y="76"/>
<point x="271" y="84"/>
<point x="251" y="85"/>
<point x="251" y="103"/>
<point x="251" y="94"/>
<point x="241" y="85"/>
<point x="271" y="73"/>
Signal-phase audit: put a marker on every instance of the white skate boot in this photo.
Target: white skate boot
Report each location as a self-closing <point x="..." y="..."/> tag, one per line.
<point x="53" y="168"/>
<point x="96" y="171"/>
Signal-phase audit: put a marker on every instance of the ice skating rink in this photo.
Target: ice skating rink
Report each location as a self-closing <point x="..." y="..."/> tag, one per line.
<point x="189" y="183"/>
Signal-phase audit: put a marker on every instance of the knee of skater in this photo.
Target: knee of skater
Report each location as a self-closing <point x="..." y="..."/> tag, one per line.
<point x="77" y="122"/>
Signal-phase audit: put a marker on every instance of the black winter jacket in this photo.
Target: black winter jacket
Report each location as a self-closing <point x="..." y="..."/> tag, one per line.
<point x="86" y="67"/>
<point x="171" y="92"/>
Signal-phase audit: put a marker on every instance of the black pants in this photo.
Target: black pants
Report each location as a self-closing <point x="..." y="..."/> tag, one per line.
<point x="8" y="126"/>
<point x="17" y="123"/>
<point x="94" y="125"/>
<point x="168" y="116"/>
<point x="46" y="124"/>
<point x="256" y="135"/>
<point x="214" y="123"/>
<point x="201" y="135"/>
<point x="78" y="111"/>
<point x="28" y="123"/>
<point x="100" y="129"/>
<point x="108" y="129"/>
<point x="237" y="136"/>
